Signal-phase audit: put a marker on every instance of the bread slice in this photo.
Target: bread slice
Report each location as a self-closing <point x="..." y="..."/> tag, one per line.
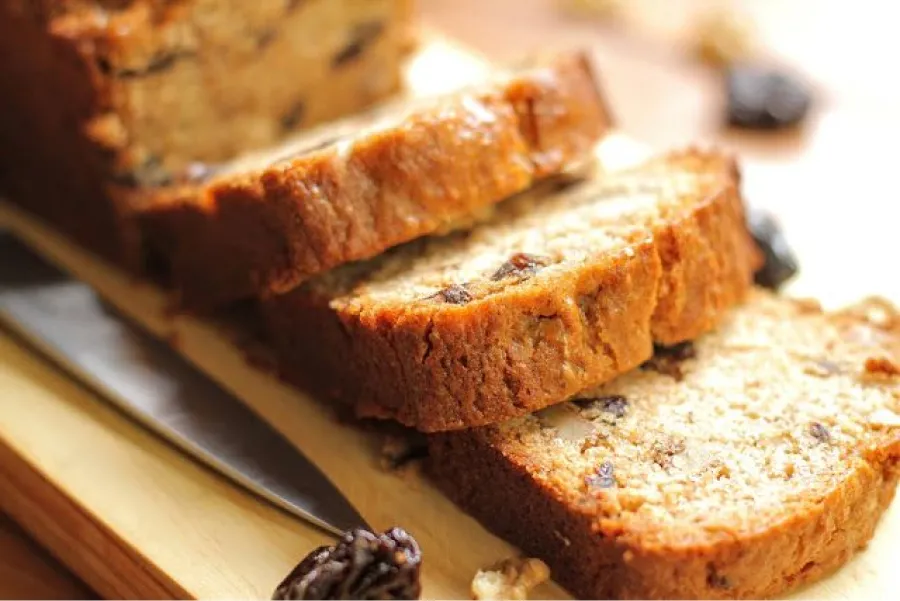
<point x="758" y="459"/>
<point x="354" y="188"/>
<point x="558" y="291"/>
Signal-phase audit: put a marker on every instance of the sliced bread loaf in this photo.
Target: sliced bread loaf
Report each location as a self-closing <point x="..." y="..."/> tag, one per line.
<point x="352" y="189"/>
<point x="100" y="97"/>
<point x="755" y="460"/>
<point x="558" y="291"/>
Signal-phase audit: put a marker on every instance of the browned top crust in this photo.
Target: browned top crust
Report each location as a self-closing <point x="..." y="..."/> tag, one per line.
<point x="350" y="190"/>
<point x="558" y="291"/>
<point x="757" y="459"/>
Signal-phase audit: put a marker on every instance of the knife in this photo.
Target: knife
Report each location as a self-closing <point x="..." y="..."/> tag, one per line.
<point x="66" y="321"/>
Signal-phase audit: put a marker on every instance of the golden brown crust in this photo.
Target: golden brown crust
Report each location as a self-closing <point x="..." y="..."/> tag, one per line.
<point x="596" y="562"/>
<point x="266" y="231"/>
<point x="482" y="363"/>
<point x="705" y="258"/>
<point x="443" y="367"/>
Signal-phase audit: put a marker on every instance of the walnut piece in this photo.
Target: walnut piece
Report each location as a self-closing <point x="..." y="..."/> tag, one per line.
<point x="876" y="311"/>
<point x="882" y="366"/>
<point x="510" y="579"/>
<point x="662" y="451"/>
<point x="722" y="38"/>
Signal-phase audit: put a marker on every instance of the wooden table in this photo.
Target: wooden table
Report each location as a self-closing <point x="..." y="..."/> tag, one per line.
<point x="662" y="96"/>
<point x="28" y="572"/>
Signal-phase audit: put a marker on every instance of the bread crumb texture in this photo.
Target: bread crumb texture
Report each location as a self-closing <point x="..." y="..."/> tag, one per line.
<point x="763" y="463"/>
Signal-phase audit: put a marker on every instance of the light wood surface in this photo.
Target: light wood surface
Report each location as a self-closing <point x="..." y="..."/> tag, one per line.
<point x="832" y="187"/>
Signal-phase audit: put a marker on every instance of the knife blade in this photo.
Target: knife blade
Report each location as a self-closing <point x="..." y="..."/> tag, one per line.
<point x="140" y="375"/>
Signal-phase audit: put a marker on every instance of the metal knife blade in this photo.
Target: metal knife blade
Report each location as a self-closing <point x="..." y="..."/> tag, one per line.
<point x="142" y="376"/>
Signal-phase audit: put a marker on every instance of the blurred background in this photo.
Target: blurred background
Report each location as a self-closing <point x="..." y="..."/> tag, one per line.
<point x="661" y="93"/>
<point x="830" y="180"/>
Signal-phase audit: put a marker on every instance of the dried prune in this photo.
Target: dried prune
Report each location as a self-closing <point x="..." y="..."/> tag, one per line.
<point x="667" y="359"/>
<point x="159" y="63"/>
<point x="455" y="295"/>
<point x="399" y="451"/>
<point x="291" y="119"/>
<point x="716" y="580"/>
<point x="761" y="98"/>
<point x="198" y="172"/>
<point x="779" y="262"/>
<point x="264" y="38"/>
<point x="563" y="182"/>
<point x="603" y="478"/>
<point x="362" y="565"/>
<point x="151" y="173"/>
<point x="615" y="404"/>
<point x="819" y="432"/>
<point x="363" y="35"/>
<point x="520" y="265"/>
<point x="679" y="352"/>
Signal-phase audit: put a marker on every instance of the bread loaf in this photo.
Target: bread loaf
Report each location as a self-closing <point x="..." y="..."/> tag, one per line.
<point x="112" y="96"/>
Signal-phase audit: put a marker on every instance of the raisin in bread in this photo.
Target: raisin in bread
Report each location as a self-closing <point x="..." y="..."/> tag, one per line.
<point x="758" y="459"/>
<point x="122" y="94"/>
<point x="351" y="189"/>
<point x="558" y="291"/>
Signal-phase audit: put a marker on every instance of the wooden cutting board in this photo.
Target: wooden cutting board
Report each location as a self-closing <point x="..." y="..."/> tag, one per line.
<point x="135" y="518"/>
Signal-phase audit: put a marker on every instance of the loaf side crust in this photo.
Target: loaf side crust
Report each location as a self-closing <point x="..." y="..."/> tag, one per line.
<point x="266" y="230"/>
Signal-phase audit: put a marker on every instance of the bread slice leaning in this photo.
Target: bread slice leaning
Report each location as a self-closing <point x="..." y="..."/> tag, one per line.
<point x="758" y="459"/>
<point x="560" y="290"/>
<point x="353" y="188"/>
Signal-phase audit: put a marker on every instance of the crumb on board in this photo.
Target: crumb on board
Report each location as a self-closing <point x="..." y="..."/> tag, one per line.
<point x="402" y="455"/>
<point x="511" y="578"/>
<point x="721" y="38"/>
